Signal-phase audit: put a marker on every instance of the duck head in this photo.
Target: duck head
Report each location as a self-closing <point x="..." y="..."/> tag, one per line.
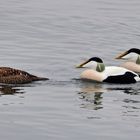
<point x="131" y="55"/>
<point x="94" y="63"/>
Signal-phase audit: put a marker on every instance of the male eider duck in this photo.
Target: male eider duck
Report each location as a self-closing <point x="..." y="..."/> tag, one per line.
<point x="109" y="74"/>
<point x="133" y="59"/>
<point x="14" y="76"/>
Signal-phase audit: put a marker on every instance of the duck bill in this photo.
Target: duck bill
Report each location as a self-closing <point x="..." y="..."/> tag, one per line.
<point x="121" y="55"/>
<point x="82" y="64"/>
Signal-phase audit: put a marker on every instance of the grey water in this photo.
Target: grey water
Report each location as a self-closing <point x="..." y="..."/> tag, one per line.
<point x="49" y="38"/>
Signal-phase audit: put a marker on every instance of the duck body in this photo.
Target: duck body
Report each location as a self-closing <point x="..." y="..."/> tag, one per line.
<point x="112" y="74"/>
<point x="15" y="76"/>
<point x="131" y="66"/>
<point x="132" y="58"/>
<point x="109" y="74"/>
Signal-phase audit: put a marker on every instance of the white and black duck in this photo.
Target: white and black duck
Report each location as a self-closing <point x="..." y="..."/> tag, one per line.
<point x="133" y="59"/>
<point x="110" y="74"/>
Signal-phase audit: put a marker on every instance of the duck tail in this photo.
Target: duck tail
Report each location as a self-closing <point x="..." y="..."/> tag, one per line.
<point x="36" y="78"/>
<point x="137" y="78"/>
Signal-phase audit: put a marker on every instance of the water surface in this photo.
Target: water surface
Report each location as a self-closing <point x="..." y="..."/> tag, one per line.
<point x="48" y="38"/>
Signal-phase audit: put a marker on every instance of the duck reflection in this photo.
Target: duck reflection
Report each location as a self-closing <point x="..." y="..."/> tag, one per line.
<point x="91" y="94"/>
<point x="131" y="89"/>
<point x="10" y="90"/>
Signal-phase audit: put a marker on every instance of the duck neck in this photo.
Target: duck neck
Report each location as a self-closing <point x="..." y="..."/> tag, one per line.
<point x="100" y="67"/>
<point x="138" y="60"/>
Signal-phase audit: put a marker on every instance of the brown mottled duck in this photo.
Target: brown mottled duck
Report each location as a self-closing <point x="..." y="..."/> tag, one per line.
<point x="15" y="76"/>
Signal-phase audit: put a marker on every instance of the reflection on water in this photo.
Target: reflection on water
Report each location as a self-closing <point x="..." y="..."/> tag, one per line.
<point x="132" y="91"/>
<point x="128" y="90"/>
<point x="10" y="90"/>
<point x="91" y="94"/>
<point x="93" y="101"/>
<point x="130" y="101"/>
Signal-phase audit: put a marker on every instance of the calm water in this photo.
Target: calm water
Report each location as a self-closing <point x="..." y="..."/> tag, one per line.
<point x="48" y="38"/>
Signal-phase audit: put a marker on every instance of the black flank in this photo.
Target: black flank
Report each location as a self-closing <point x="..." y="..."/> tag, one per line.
<point x="127" y="78"/>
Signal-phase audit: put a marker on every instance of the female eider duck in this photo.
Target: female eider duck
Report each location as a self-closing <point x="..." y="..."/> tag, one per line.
<point x="109" y="74"/>
<point x="15" y="76"/>
<point x="133" y="57"/>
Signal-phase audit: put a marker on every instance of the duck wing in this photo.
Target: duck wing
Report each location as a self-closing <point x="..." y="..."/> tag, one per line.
<point x="120" y="75"/>
<point x="126" y="78"/>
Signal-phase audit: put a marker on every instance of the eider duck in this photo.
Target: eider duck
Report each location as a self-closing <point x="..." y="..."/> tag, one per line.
<point x="14" y="76"/>
<point x="109" y="74"/>
<point x="133" y="59"/>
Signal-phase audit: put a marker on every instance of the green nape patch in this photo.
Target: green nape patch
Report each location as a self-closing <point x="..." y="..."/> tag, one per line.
<point x="138" y="60"/>
<point x="100" y="67"/>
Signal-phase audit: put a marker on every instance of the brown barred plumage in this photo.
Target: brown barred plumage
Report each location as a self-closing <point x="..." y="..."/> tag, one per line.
<point x="14" y="76"/>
